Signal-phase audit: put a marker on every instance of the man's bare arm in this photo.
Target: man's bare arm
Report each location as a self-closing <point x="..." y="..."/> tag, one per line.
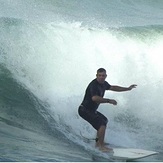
<point x="99" y="99"/>
<point x="121" y="89"/>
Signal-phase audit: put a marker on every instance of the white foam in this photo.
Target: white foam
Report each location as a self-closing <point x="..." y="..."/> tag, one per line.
<point x="57" y="61"/>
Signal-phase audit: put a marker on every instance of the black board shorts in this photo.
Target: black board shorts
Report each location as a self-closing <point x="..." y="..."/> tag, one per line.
<point x="95" y="118"/>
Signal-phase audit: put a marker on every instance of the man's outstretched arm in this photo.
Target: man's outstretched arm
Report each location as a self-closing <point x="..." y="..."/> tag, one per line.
<point x="121" y="89"/>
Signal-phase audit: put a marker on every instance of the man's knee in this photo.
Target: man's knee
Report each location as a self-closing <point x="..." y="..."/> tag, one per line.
<point x="101" y="124"/>
<point x="104" y="122"/>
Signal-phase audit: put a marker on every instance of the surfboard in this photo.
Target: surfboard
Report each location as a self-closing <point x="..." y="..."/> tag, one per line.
<point x="123" y="153"/>
<point x="131" y="153"/>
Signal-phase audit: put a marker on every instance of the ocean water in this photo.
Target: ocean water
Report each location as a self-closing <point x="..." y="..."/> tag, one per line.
<point x="50" y="51"/>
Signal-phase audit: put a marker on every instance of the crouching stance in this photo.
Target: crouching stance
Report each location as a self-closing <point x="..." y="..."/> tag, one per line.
<point x="92" y="99"/>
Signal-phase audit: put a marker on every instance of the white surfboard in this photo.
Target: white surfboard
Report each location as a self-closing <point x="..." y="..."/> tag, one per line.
<point x="121" y="153"/>
<point x="131" y="153"/>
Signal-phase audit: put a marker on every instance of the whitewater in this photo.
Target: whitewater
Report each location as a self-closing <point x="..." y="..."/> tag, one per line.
<point x="50" y="51"/>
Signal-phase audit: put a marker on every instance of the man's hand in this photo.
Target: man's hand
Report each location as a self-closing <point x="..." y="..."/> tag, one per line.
<point x="111" y="101"/>
<point x="132" y="86"/>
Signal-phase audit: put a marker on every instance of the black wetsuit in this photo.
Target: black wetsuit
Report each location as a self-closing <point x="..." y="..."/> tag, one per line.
<point x="88" y="108"/>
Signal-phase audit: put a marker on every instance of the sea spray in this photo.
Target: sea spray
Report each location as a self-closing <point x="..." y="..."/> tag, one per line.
<point x="57" y="61"/>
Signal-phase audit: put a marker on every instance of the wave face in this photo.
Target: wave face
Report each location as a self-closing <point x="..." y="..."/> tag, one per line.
<point x="50" y="51"/>
<point x="27" y="130"/>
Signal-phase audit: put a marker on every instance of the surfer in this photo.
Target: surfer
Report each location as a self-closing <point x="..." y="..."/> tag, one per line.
<point x="92" y="99"/>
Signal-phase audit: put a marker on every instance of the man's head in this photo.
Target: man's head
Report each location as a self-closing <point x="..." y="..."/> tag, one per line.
<point x="101" y="75"/>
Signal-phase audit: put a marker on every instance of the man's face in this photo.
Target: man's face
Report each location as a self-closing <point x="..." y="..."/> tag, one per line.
<point x="101" y="76"/>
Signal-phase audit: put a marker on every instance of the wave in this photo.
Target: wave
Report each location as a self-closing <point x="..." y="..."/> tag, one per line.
<point x="97" y="14"/>
<point x="27" y="130"/>
<point x="50" y="51"/>
<point x="19" y="107"/>
<point x="56" y="61"/>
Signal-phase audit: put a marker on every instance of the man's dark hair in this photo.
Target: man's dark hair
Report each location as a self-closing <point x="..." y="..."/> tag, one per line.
<point x="101" y="70"/>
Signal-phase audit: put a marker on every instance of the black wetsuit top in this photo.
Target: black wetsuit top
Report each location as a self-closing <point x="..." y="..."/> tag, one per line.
<point x="94" y="88"/>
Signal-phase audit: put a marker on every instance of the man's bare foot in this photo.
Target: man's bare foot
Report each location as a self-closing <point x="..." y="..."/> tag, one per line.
<point x="105" y="149"/>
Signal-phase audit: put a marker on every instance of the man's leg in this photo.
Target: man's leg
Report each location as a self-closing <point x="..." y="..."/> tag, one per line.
<point x="101" y="135"/>
<point x="98" y="121"/>
<point x="101" y="123"/>
<point x="100" y="141"/>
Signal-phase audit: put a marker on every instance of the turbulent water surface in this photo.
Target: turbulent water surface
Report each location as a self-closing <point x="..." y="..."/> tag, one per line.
<point x="49" y="52"/>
